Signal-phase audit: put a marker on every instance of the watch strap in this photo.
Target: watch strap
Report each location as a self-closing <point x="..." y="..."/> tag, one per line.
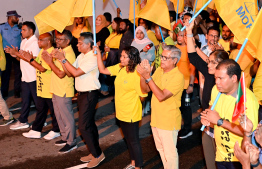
<point x="31" y="60"/>
<point x="148" y="80"/>
<point x="64" y="61"/>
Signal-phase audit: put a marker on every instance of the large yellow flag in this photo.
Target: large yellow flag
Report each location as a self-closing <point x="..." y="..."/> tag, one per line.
<point x="180" y="5"/>
<point x="255" y="38"/>
<point x="200" y="4"/>
<point x="57" y="16"/>
<point x="83" y="8"/>
<point x="156" y="11"/>
<point x="131" y="9"/>
<point x="239" y="16"/>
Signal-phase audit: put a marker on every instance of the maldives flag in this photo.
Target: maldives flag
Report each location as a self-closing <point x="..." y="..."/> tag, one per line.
<point x="241" y="99"/>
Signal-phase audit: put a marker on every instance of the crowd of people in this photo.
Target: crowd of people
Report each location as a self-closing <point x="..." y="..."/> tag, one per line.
<point x="150" y="70"/>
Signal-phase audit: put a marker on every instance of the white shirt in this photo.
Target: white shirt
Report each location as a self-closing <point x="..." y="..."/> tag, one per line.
<point x="205" y="49"/>
<point x="88" y="64"/>
<point x="28" y="71"/>
<point x="202" y="39"/>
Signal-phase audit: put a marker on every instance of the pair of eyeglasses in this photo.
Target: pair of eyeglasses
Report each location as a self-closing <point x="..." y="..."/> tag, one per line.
<point x="58" y="39"/>
<point x="211" y="61"/>
<point x="165" y="58"/>
<point x="213" y="36"/>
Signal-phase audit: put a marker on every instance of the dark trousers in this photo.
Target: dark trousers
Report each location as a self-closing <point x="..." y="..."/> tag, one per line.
<point x="131" y="134"/>
<point x="186" y="111"/>
<point x="28" y="94"/>
<point x="87" y="108"/>
<point x="229" y="165"/>
<point x="7" y="73"/>
<point x="42" y="106"/>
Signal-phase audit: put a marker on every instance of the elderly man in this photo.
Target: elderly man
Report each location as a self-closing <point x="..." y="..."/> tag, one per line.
<point x="86" y="73"/>
<point x="167" y="84"/>
<point x="10" y="32"/>
<point x="227" y="132"/>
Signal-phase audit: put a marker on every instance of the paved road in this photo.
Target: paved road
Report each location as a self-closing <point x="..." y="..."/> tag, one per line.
<point x="19" y="152"/>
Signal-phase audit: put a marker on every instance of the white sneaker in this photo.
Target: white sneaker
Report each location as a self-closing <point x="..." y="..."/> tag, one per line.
<point x="51" y="135"/>
<point x="32" y="134"/>
<point x="19" y="125"/>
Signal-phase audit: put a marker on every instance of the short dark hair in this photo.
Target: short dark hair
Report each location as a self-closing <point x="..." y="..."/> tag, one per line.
<point x="147" y="22"/>
<point x="214" y="28"/>
<point x="117" y="21"/>
<point x="108" y="16"/>
<point x="172" y="14"/>
<point x="220" y="55"/>
<point x="30" y="25"/>
<point x="205" y="15"/>
<point x="215" y="23"/>
<point x="128" y="23"/>
<point x="88" y="38"/>
<point x="232" y="68"/>
<point x="68" y="34"/>
<point x="188" y="14"/>
<point x="134" y="57"/>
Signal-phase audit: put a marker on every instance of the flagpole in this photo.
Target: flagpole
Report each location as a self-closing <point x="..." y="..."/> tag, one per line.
<point x="195" y="8"/>
<point x="197" y="14"/>
<point x="161" y="34"/>
<point x="94" y="24"/>
<point x="116" y="6"/>
<point x="134" y="4"/>
<point x="177" y="10"/>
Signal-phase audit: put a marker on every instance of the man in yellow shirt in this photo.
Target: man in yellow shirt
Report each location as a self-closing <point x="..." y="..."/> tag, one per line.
<point x="62" y="87"/>
<point x="226" y="36"/>
<point x="227" y="132"/>
<point x="44" y="97"/>
<point x="167" y="85"/>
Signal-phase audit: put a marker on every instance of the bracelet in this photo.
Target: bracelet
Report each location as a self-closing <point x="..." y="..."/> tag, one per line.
<point x="192" y="85"/>
<point x="31" y="60"/>
<point x="255" y="165"/>
<point x="190" y="35"/>
<point x="249" y="135"/>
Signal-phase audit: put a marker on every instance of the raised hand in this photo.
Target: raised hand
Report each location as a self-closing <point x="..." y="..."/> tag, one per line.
<point x="47" y="57"/>
<point x="26" y="55"/>
<point x="245" y="123"/>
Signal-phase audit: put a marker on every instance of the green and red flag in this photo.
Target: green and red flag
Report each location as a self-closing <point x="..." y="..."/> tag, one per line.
<point x="240" y="106"/>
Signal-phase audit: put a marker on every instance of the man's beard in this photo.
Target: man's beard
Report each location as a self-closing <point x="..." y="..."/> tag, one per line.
<point x="122" y="30"/>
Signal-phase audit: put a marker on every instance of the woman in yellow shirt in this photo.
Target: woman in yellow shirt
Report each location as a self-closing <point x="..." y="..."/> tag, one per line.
<point x="127" y="99"/>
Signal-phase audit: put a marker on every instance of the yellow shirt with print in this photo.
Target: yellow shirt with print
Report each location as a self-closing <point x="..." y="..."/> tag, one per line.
<point x="225" y="140"/>
<point x="127" y="94"/>
<point x="257" y="86"/>
<point x="43" y="79"/>
<point x="65" y="86"/>
<point x="166" y="115"/>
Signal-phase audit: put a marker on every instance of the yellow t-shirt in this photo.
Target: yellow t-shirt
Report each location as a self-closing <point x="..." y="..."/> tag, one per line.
<point x="224" y="44"/>
<point x="43" y="79"/>
<point x="225" y="140"/>
<point x="64" y="86"/>
<point x="113" y="40"/>
<point x="245" y="62"/>
<point x="2" y="56"/>
<point x="257" y="86"/>
<point x="127" y="92"/>
<point x="184" y="65"/>
<point x="166" y="115"/>
<point x="152" y="36"/>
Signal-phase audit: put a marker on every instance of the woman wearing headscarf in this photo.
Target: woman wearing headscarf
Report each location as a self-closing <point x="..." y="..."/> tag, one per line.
<point x="102" y="32"/>
<point x="144" y="45"/>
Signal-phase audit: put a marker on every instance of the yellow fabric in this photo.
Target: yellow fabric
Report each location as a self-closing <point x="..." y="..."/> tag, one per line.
<point x="184" y="65"/>
<point x="2" y="56"/>
<point x="257" y="85"/>
<point x="64" y="86"/>
<point x="113" y="40"/>
<point x="56" y="16"/>
<point x="200" y="4"/>
<point x="110" y="28"/>
<point x="76" y="32"/>
<point x="180" y="5"/>
<point x="168" y="41"/>
<point x="127" y="92"/>
<point x="151" y="12"/>
<point x="224" y="44"/>
<point x="245" y="61"/>
<point x="152" y="36"/>
<point x="255" y="38"/>
<point x="239" y="16"/>
<point x="43" y="79"/>
<point x="225" y="140"/>
<point x="131" y="9"/>
<point x="212" y="5"/>
<point x="166" y="115"/>
<point x="83" y="8"/>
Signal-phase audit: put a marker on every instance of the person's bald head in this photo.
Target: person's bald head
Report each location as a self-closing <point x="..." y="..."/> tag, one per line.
<point x="45" y="41"/>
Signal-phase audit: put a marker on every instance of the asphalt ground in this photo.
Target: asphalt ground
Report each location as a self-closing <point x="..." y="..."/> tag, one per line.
<point x="18" y="152"/>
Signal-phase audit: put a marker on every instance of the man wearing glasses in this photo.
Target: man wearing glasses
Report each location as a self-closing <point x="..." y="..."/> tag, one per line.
<point x="167" y="85"/>
<point x="212" y="37"/>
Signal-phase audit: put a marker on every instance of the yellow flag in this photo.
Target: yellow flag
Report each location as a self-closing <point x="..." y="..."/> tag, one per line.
<point x="239" y="16"/>
<point x="156" y="11"/>
<point x="83" y="8"/>
<point x="255" y="38"/>
<point x="180" y="7"/>
<point x="131" y="9"/>
<point x="212" y="5"/>
<point x="200" y="4"/>
<point x="57" y="16"/>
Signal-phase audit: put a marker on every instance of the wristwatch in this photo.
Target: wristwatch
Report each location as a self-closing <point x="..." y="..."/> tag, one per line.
<point x="64" y="61"/>
<point x="220" y="122"/>
<point x="31" y="60"/>
<point x="191" y="85"/>
<point x="148" y="80"/>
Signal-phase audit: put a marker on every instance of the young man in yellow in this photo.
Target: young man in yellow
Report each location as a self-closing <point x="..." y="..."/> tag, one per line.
<point x="62" y="87"/>
<point x="44" y="97"/>
<point x="167" y="84"/>
<point x="226" y="36"/>
<point x="226" y="132"/>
